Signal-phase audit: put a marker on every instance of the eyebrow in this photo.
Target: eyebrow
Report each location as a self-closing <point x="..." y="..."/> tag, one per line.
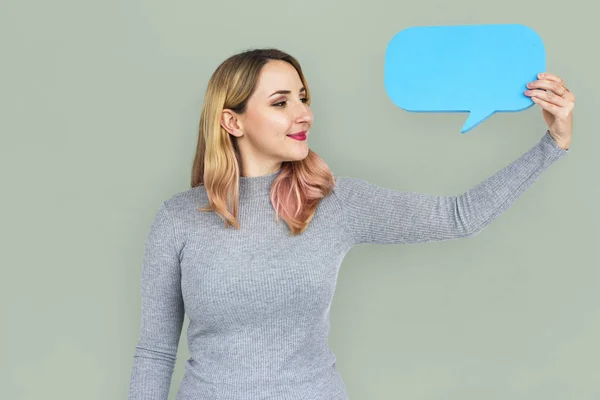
<point x="286" y="92"/>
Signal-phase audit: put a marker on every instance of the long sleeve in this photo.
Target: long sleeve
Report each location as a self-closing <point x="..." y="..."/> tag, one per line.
<point x="375" y="214"/>
<point x="161" y="314"/>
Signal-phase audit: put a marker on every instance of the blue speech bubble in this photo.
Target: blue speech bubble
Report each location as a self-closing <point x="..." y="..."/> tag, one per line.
<point x="480" y="69"/>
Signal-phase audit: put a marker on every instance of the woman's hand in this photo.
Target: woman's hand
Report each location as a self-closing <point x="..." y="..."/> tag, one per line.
<point x="557" y="104"/>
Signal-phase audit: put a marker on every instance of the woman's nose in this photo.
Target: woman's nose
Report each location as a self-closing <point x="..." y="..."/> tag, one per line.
<point x="304" y="114"/>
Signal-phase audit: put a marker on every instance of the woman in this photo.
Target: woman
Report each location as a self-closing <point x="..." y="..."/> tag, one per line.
<point x="258" y="296"/>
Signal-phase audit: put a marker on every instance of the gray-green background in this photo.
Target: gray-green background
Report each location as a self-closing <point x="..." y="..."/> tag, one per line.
<point x="100" y="102"/>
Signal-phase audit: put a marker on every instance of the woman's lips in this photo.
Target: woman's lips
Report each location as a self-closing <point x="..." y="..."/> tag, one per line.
<point x="299" y="136"/>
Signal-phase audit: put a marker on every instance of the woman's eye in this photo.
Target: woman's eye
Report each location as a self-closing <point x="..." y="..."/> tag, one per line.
<point x="281" y="103"/>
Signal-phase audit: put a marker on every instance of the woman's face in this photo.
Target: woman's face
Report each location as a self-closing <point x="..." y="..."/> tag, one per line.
<point x="262" y="131"/>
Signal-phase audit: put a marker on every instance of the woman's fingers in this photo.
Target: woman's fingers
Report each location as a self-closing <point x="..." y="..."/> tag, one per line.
<point x="550" y="77"/>
<point x="552" y="85"/>
<point x="550" y="107"/>
<point x="550" y="96"/>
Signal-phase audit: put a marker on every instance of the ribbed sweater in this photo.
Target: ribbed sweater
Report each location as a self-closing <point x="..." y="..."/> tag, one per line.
<point x="258" y="300"/>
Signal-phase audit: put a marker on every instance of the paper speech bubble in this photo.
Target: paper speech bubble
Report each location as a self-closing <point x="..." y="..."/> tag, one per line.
<point x="480" y="69"/>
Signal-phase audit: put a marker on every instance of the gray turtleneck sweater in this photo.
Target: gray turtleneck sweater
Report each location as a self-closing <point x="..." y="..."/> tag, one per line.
<point x="258" y="300"/>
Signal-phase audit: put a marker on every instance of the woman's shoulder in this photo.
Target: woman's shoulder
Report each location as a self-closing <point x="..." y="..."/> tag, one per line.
<point x="345" y="184"/>
<point x="183" y="201"/>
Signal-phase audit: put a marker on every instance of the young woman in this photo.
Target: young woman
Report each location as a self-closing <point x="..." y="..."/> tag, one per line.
<point x="257" y="291"/>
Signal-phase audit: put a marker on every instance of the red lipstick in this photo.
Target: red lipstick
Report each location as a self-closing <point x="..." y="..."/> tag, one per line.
<point x="299" y="135"/>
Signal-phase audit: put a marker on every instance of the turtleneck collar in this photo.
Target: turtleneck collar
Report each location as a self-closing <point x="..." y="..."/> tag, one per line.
<point x="251" y="186"/>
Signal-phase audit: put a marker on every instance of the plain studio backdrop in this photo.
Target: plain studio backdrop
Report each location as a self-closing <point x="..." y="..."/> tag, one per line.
<point x="100" y="103"/>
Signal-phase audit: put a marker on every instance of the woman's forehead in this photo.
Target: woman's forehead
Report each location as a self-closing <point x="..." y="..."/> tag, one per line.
<point x="276" y="76"/>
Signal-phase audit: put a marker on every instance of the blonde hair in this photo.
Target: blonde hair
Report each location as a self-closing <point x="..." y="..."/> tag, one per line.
<point x="299" y="186"/>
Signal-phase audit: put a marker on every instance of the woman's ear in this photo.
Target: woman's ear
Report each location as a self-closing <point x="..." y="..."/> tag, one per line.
<point x="231" y="123"/>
